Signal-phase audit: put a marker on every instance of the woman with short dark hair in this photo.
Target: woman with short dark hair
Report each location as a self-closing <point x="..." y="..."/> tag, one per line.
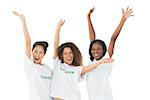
<point x="38" y="74"/>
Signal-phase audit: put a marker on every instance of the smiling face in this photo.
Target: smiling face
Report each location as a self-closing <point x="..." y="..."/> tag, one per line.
<point x="67" y="55"/>
<point x="38" y="54"/>
<point x="97" y="51"/>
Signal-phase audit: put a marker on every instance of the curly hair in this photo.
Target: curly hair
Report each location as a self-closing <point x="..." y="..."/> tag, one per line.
<point x="77" y="59"/>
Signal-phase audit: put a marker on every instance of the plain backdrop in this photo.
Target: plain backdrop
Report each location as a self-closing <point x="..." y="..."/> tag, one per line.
<point x="131" y="71"/>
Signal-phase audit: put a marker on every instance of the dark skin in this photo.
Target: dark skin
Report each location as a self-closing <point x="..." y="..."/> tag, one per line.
<point x="125" y="15"/>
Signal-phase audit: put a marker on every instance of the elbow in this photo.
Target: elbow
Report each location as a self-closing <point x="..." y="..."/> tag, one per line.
<point x="28" y="41"/>
<point x="110" y="52"/>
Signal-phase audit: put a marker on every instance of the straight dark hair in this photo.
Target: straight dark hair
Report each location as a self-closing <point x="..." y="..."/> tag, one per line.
<point x="42" y="43"/>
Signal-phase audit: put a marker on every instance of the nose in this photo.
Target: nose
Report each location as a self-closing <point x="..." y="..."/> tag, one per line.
<point x="37" y="54"/>
<point x="68" y="55"/>
<point x="95" y="51"/>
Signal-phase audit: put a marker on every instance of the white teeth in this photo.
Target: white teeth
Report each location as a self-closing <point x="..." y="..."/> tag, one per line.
<point x="95" y="54"/>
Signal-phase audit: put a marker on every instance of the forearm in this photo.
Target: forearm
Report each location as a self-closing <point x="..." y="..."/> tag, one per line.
<point x="56" y="41"/>
<point x="126" y="14"/>
<point x="91" y="29"/>
<point x="26" y="33"/>
<point x="115" y="36"/>
<point x="90" y="67"/>
<point x="94" y="65"/>
<point x="27" y="39"/>
<point x="118" y="29"/>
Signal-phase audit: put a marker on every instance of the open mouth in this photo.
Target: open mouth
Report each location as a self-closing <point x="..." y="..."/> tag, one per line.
<point x="96" y="55"/>
<point x="69" y="60"/>
<point x="37" y="59"/>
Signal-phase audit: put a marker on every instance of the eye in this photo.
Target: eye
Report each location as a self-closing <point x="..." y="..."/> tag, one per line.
<point x="99" y="48"/>
<point x="93" y="49"/>
<point x="71" y="53"/>
<point x="65" y="53"/>
<point x="41" y="52"/>
<point x="35" y="51"/>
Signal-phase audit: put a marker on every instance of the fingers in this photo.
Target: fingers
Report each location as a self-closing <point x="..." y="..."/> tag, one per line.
<point x="127" y="13"/>
<point x="107" y="60"/>
<point x="122" y="11"/>
<point x="92" y="10"/>
<point x="15" y="13"/>
<point x="18" y="14"/>
<point x="127" y="8"/>
<point x="60" y="23"/>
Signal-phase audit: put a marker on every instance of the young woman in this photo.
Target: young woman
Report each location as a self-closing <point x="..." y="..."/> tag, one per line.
<point x="67" y="69"/>
<point x="39" y="75"/>
<point x="97" y="80"/>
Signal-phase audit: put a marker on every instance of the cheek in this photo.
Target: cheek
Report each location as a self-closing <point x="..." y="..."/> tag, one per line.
<point x="97" y="51"/>
<point x="92" y="52"/>
<point x="34" y="54"/>
<point x="63" y="57"/>
<point x="100" y="51"/>
<point x="41" y="55"/>
<point x="71" y="55"/>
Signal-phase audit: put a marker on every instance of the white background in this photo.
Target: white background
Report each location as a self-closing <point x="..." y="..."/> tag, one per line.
<point x="130" y="78"/>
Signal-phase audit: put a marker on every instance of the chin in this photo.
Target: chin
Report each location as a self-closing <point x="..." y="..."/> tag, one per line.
<point x="69" y="63"/>
<point x="97" y="58"/>
<point x="37" y="62"/>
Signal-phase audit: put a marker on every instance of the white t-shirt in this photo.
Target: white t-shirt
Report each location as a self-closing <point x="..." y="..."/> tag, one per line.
<point x="39" y="77"/>
<point x="98" y="86"/>
<point x="65" y="81"/>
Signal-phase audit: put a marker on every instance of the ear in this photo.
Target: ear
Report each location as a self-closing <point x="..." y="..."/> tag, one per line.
<point x="61" y="58"/>
<point x="32" y="51"/>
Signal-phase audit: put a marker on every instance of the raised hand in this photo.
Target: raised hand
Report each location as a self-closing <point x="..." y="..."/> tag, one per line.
<point x="107" y="60"/>
<point x="26" y="33"/>
<point x="56" y="40"/>
<point x="91" y="11"/>
<point x="21" y="16"/>
<point x="60" y="23"/>
<point x="127" y="13"/>
<point x="94" y="65"/>
<point x="92" y="35"/>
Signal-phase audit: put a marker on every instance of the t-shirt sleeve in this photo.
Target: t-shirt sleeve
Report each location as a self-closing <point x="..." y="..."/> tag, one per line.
<point x="108" y="67"/>
<point x="80" y="78"/>
<point x="27" y="66"/>
<point x="56" y="62"/>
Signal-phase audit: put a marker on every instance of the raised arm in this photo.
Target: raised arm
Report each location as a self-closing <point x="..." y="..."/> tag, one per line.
<point x="94" y="65"/>
<point x="125" y="15"/>
<point x="26" y="34"/>
<point x="56" y="40"/>
<point x="90" y="26"/>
